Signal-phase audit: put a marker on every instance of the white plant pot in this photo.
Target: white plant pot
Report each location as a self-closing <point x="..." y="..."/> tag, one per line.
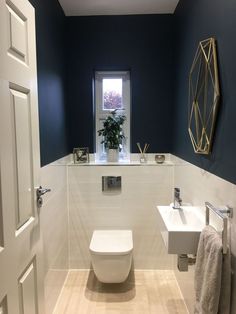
<point x="113" y="155"/>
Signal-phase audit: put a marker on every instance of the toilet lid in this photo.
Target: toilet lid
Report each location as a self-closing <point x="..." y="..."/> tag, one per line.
<point x="112" y="242"/>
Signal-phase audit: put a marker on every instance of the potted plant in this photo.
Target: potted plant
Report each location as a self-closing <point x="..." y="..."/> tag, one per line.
<point x="113" y="135"/>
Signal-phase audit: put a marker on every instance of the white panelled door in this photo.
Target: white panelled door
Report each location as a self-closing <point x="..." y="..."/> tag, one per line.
<point x="21" y="271"/>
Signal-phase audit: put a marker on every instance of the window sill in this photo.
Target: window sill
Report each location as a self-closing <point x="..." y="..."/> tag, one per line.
<point x="133" y="162"/>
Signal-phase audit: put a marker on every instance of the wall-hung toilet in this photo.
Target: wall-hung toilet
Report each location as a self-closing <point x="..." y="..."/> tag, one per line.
<point x="111" y="254"/>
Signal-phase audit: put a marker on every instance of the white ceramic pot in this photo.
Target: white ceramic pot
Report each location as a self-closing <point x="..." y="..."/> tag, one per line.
<point x="113" y="155"/>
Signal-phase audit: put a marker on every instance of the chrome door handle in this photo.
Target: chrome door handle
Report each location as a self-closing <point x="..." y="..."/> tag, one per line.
<point x="40" y="191"/>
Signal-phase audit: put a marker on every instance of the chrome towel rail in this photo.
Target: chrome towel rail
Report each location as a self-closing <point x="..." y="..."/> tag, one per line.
<point x="224" y="214"/>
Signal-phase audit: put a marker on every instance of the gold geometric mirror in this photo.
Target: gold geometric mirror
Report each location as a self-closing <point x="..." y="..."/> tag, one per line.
<point x="204" y="96"/>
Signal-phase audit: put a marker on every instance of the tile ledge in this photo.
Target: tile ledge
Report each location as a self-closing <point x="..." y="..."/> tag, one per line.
<point x="125" y="163"/>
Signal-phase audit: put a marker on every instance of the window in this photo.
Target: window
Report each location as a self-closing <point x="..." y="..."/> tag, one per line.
<point x="112" y="91"/>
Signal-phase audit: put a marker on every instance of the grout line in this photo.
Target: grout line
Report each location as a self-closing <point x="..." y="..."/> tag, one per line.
<point x="180" y="291"/>
<point x="80" y="269"/>
<point x="135" y="270"/>
<point x="60" y="294"/>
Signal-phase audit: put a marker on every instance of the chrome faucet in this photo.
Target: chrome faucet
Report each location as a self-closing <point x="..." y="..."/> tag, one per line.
<point x="177" y="200"/>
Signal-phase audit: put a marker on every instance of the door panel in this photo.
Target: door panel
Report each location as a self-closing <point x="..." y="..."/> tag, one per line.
<point x="23" y="150"/>
<point x="28" y="291"/>
<point x="17" y="51"/>
<point x="3" y="306"/>
<point x="1" y="218"/>
<point x="21" y="268"/>
<point x="17" y="33"/>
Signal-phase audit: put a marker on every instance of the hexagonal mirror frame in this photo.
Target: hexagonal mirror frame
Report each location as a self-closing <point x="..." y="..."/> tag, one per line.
<point x="204" y="95"/>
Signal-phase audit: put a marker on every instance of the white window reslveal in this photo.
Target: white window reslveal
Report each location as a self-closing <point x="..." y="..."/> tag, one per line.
<point x="112" y="92"/>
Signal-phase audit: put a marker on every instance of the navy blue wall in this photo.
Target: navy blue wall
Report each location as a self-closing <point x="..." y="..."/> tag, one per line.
<point x="195" y="21"/>
<point x="144" y="45"/>
<point x="50" y="26"/>
<point x="141" y="44"/>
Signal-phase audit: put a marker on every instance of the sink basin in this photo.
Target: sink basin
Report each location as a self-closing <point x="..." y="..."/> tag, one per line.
<point x="181" y="228"/>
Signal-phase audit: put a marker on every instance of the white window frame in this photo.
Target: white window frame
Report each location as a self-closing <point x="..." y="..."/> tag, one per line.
<point x="101" y="114"/>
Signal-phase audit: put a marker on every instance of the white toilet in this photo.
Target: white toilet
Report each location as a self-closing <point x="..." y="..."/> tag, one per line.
<point x="111" y="254"/>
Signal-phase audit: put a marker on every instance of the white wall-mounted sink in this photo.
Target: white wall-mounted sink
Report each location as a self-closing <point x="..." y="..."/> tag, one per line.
<point x="181" y="228"/>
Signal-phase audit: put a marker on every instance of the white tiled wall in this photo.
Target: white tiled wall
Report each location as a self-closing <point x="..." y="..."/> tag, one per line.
<point x="143" y="187"/>
<point x="198" y="186"/>
<point x="54" y="226"/>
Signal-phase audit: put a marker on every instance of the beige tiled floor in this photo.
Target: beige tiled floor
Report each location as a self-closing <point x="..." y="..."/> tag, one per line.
<point x="146" y="292"/>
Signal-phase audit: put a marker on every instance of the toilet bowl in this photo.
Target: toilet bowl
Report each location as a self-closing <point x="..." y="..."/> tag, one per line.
<point x="111" y="254"/>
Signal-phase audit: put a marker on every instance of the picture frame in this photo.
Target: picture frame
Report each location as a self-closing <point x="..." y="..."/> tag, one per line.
<point x="81" y="155"/>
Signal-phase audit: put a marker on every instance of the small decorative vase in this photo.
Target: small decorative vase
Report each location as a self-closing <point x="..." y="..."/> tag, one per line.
<point x="143" y="158"/>
<point x="112" y="155"/>
<point x="159" y="159"/>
